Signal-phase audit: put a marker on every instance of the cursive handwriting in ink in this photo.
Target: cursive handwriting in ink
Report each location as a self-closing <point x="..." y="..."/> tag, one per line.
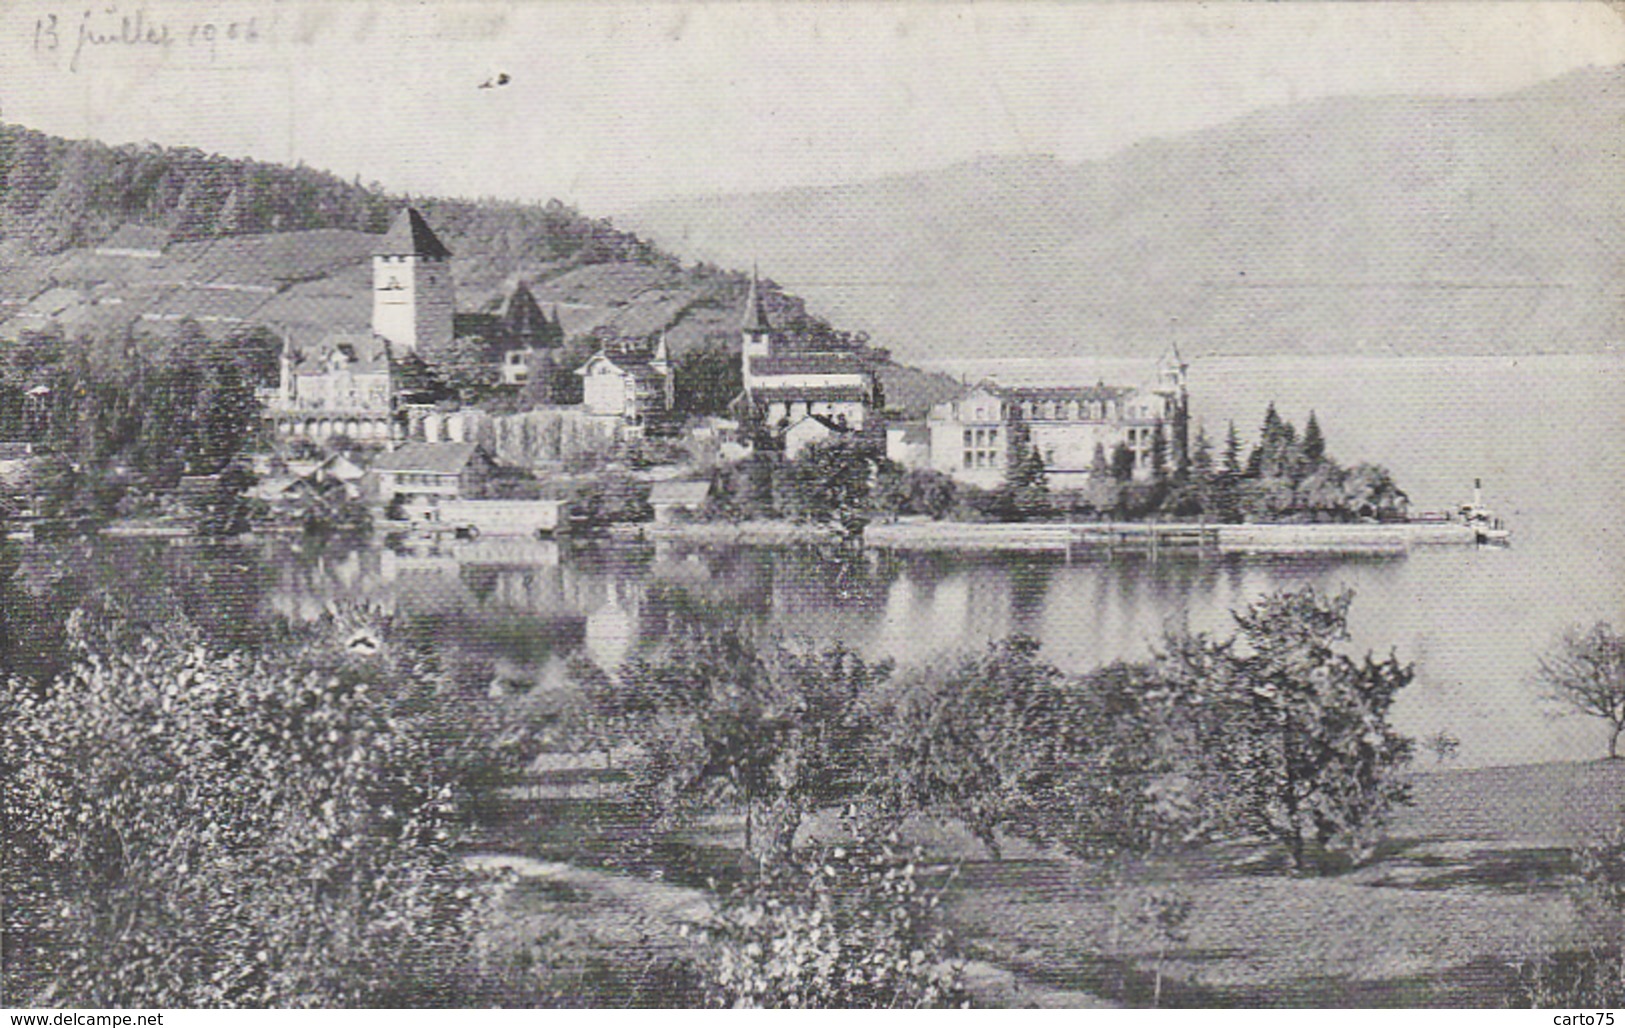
<point x="112" y="27"/>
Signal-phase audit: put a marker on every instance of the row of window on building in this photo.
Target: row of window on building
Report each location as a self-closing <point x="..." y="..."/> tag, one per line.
<point x="422" y="478"/>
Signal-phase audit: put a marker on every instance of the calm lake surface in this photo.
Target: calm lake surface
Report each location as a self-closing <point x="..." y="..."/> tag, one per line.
<point x="1546" y="435"/>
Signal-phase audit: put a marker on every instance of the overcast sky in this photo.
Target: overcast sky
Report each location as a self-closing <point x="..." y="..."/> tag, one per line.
<point x="611" y="104"/>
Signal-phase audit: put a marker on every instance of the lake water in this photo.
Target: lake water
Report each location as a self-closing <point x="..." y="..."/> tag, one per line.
<point x="1545" y="434"/>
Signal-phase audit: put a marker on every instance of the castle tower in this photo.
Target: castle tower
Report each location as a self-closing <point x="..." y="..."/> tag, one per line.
<point x="757" y="334"/>
<point x="1171" y="374"/>
<point x="1171" y="369"/>
<point x="413" y="299"/>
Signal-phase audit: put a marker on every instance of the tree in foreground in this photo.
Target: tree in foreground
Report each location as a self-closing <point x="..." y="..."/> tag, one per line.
<point x="1585" y="671"/>
<point x="1005" y="744"/>
<point x="771" y="731"/>
<point x="1296" y="744"/>
<point x="272" y="828"/>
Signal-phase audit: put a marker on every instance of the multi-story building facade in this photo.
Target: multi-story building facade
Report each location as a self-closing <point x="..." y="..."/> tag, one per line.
<point x="421" y="476"/>
<point x="1075" y="429"/>
<point x="342" y="387"/>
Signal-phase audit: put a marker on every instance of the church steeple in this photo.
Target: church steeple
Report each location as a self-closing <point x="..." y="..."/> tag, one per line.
<point x="755" y="321"/>
<point x="757" y="341"/>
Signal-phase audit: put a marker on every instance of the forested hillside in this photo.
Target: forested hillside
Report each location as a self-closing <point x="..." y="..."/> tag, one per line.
<point x="60" y="194"/>
<point x="247" y="242"/>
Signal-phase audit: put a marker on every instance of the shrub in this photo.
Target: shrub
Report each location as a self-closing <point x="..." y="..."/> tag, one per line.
<point x="1592" y="977"/>
<point x="850" y="926"/>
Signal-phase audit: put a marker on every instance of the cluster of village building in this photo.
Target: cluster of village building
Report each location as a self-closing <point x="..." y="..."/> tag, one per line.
<point x="347" y="386"/>
<point x="342" y="386"/>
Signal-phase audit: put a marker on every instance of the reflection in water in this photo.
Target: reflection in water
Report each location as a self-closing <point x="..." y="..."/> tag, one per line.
<point x="1473" y="620"/>
<point x="519" y="612"/>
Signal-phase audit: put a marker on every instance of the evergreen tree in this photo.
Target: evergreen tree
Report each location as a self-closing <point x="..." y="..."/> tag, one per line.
<point x="1227" y="491"/>
<point x="1122" y="462"/>
<point x="1269" y="434"/>
<point x="1159" y="454"/>
<point x="1201" y="481"/>
<point x="1202" y="457"/>
<point x="1180" y="442"/>
<point x="1026" y="486"/>
<point x="1099" y="469"/>
<point x="1026" y="467"/>
<point x="1314" y="444"/>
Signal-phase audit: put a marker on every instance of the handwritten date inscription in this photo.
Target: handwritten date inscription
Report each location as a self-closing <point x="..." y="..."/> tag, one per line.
<point x="76" y="35"/>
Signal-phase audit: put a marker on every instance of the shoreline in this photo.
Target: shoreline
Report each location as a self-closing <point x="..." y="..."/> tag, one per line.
<point x="1053" y="537"/>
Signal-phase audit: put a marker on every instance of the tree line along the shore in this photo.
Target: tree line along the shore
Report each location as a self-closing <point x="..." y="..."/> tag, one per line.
<point x="127" y="420"/>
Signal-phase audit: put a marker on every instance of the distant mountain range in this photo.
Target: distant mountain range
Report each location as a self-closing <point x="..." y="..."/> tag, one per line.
<point x="1404" y="225"/>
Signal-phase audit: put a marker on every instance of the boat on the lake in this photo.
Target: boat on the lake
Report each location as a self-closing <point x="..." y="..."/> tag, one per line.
<point x="1488" y="528"/>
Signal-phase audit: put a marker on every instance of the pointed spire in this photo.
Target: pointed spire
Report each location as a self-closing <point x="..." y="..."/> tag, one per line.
<point x="755" y="321"/>
<point x="411" y="236"/>
<point x="660" y="356"/>
<point x="523" y="315"/>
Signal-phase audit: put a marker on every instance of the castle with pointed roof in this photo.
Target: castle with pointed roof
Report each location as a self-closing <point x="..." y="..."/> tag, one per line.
<point x="344" y="384"/>
<point x="413" y="296"/>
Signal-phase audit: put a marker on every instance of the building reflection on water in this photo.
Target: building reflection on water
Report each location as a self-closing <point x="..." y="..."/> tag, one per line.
<point x="517" y="613"/>
<point x="527" y="607"/>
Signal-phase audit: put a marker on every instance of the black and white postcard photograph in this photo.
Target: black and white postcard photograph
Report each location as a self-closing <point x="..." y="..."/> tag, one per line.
<point x="783" y="504"/>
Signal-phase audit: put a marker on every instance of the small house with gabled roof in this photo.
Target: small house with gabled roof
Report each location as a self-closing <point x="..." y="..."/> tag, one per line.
<point x="424" y="475"/>
<point x="631" y="383"/>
